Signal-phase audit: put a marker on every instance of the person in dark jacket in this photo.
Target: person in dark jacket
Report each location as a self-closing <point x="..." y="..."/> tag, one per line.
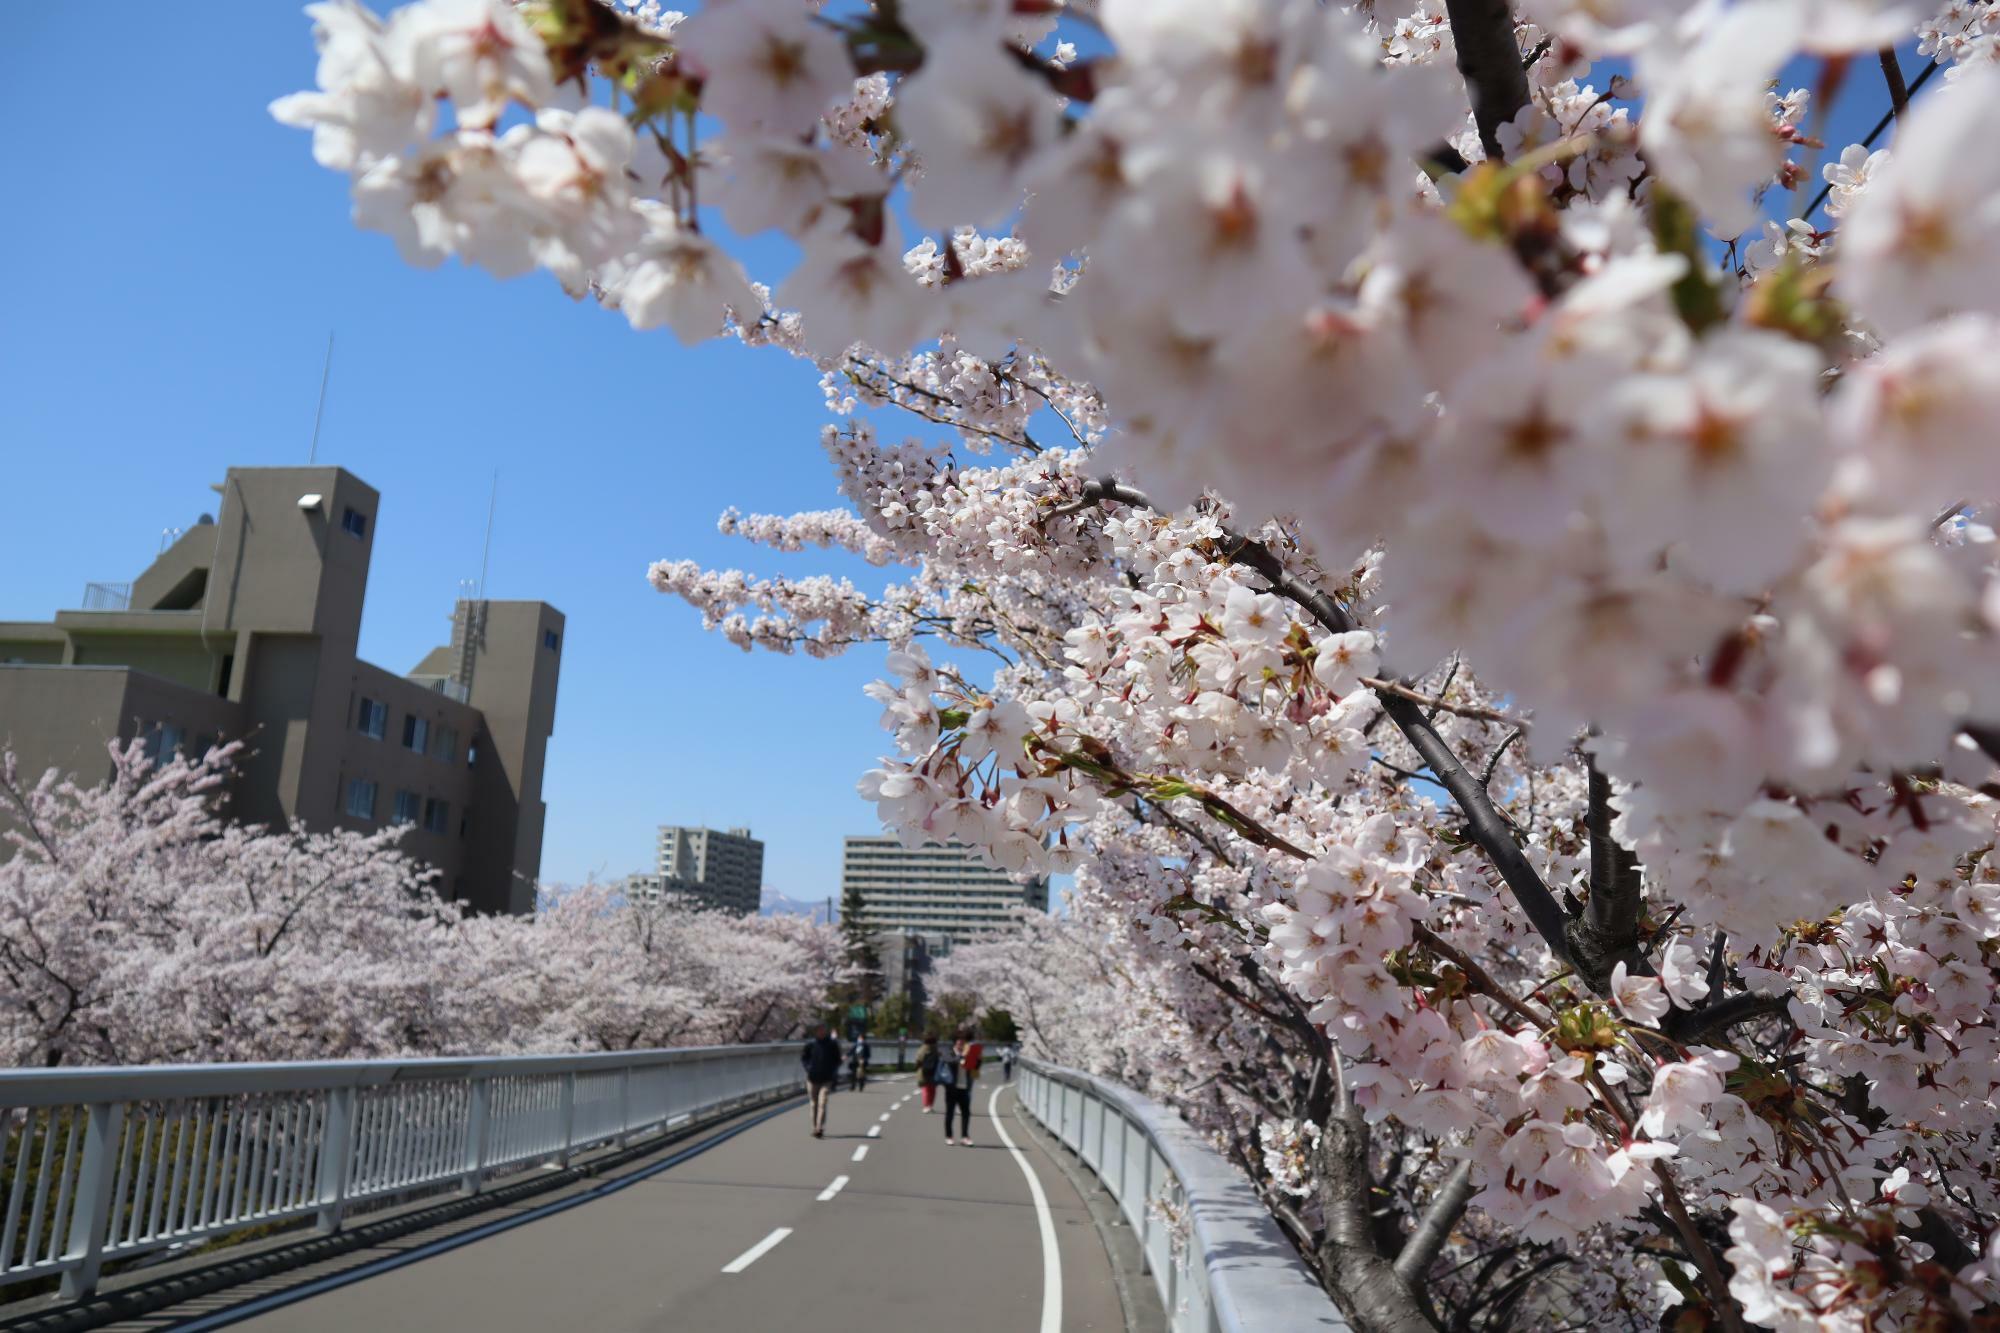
<point x="821" y="1057"/>
<point x="927" y="1071"/>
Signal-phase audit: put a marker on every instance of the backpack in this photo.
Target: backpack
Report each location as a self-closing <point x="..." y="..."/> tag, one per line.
<point x="927" y="1066"/>
<point x="946" y="1073"/>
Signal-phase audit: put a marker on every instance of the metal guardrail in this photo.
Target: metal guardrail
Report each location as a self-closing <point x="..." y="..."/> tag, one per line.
<point x="1218" y="1260"/>
<point x="107" y="1164"/>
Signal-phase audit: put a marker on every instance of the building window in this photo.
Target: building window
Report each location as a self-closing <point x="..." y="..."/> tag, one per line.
<point x="472" y="754"/>
<point x="361" y="799"/>
<point x="416" y="733"/>
<point x="551" y="641"/>
<point x="407" y="807"/>
<point x="372" y="718"/>
<point x="163" y="742"/>
<point x="437" y="816"/>
<point x="354" y="523"/>
<point x="444" y="743"/>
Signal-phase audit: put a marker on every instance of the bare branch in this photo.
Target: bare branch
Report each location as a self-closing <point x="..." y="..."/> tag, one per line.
<point x="1421" y="1250"/>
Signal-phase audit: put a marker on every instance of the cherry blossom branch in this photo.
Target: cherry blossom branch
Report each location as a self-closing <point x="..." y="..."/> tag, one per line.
<point x="1436" y="704"/>
<point x="1484" y="822"/>
<point x="1699" y="1250"/>
<point x="1479" y="978"/>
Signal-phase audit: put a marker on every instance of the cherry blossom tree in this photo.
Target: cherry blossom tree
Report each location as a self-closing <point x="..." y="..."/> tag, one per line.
<point x="1506" y="638"/>
<point x="138" y="925"/>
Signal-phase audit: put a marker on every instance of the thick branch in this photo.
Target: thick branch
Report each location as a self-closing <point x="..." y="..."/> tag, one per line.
<point x="1490" y="61"/>
<point x="1365" y="1285"/>
<point x="1892" y="73"/>
<point x="1421" y="1250"/>
<point x="1484" y="823"/>
<point x="1685" y="1025"/>
<point x="1608" y="931"/>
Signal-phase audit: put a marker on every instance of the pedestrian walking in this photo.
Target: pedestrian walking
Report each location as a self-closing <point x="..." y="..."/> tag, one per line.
<point x="821" y="1059"/>
<point x="927" y="1071"/>
<point x="958" y="1069"/>
<point x="857" y="1058"/>
<point x="1007" y="1062"/>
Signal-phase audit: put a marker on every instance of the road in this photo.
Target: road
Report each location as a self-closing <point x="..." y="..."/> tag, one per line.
<point x="880" y="1225"/>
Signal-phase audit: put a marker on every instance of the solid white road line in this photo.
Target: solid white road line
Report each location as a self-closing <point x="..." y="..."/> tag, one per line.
<point x="861" y="1152"/>
<point x="1051" y="1257"/>
<point x="833" y="1189"/>
<point x="757" y="1251"/>
<point x="874" y="1131"/>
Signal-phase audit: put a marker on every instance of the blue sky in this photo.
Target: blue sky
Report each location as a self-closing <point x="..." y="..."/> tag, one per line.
<point x="175" y="262"/>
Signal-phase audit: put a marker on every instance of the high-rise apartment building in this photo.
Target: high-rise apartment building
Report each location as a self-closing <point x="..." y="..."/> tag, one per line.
<point x="707" y="867"/>
<point x="245" y="628"/>
<point x="937" y="889"/>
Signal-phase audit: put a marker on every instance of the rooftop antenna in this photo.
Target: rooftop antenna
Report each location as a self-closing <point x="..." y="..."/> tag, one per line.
<point x="486" y="555"/>
<point x="326" y="368"/>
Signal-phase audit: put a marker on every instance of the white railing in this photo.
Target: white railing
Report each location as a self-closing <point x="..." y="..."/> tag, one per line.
<point x="1217" y="1259"/>
<point x="106" y="1164"/>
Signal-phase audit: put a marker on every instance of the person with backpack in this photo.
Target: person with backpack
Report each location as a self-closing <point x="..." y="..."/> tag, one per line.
<point x="927" y="1071"/>
<point x="821" y="1059"/>
<point x="858" y="1061"/>
<point x="957" y="1071"/>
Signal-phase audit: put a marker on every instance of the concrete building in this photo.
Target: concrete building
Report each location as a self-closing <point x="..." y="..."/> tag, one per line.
<point x="906" y="957"/>
<point x="707" y="867"/>
<point x="245" y="628"/>
<point x="934" y="890"/>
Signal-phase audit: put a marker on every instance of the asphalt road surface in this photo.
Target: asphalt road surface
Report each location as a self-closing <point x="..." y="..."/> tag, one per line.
<point x="881" y="1225"/>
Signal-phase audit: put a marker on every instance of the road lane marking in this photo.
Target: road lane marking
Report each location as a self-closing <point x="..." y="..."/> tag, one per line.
<point x="833" y="1189"/>
<point x="757" y="1251"/>
<point x="874" y="1131"/>
<point x="1051" y="1257"/>
<point x="861" y="1152"/>
<point x="883" y="1118"/>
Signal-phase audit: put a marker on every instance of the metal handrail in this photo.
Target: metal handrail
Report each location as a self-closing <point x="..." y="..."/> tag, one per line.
<point x="1219" y="1261"/>
<point x="110" y="1163"/>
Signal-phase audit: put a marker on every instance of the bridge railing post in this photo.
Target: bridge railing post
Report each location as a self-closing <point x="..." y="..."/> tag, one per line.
<point x="478" y="1136"/>
<point x="568" y="1119"/>
<point x="104" y="1128"/>
<point x="624" y="1105"/>
<point x="336" y="1156"/>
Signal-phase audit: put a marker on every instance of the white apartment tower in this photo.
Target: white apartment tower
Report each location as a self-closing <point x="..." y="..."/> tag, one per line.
<point x="707" y="867"/>
<point x="935" y="889"/>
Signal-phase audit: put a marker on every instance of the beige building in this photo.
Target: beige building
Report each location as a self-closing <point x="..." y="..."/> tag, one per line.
<point x="934" y="890"/>
<point x="245" y="629"/>
<point x="705" y="866"/>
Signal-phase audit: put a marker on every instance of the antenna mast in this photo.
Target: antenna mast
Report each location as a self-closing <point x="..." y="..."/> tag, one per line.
<point x="486" y="554"/>
<point x="326" y="368"/>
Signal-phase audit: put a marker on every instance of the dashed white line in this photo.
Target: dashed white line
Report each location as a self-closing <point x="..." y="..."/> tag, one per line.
<point x="861" y="1152"/>
<point x="757" y="1251"/>
<point x="883" y="1118"/>
<point x="1051" y="1257"/>
<point x="833" y="1189"/>
<point x="874" y="1131"/>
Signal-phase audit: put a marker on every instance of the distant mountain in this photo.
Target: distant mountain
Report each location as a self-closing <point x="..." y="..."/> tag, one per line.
<point x="777" y="904"/>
